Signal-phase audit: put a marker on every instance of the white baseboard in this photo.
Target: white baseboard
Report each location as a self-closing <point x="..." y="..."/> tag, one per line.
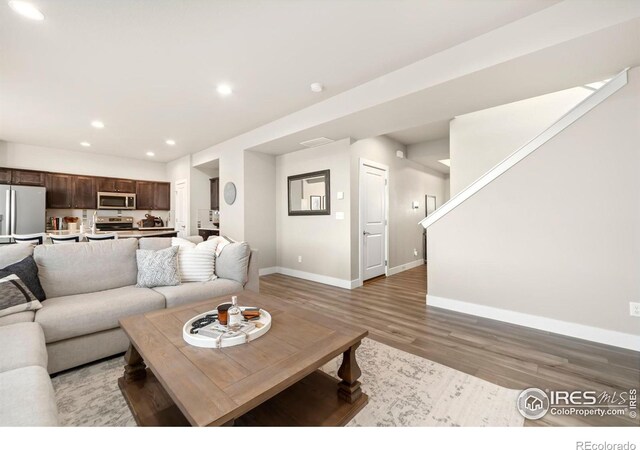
<point x="331" y="281"/>
<point x="403" y="267"/>
<point x="267" y="271"/>
<point x="589" y="333"/>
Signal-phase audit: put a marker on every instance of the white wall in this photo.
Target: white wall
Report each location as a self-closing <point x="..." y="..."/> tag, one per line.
<point x="408" y="182"/>
<point x="22" y="156"/>
<point x="323" y="242"/>
<point x="558" y="235"/>
<point x="482" y="139"/>
<point x="260" y="206"/>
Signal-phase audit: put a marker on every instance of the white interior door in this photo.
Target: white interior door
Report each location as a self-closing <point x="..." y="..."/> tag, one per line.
<point x="373" y="220"/>
<point x="182" y="211"/>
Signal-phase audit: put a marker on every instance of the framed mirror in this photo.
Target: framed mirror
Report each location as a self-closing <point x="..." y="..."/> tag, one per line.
<point x="309" y="194"/>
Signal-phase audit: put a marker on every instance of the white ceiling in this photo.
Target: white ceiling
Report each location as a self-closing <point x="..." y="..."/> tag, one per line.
<point x="148" y="68"/>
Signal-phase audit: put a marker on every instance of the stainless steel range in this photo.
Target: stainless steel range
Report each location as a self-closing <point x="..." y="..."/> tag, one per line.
<point x="110" y="223"/>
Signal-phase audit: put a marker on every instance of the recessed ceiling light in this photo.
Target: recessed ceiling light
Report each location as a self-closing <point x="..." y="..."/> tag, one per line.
<point x="85" y="144"/>
<point x="151" y="154"/>
<point x="316" y="87"/>
<point x="224" y="89"/>
<point x="26" y="9"/>
<point x="446" y="162"/>
<point x="170" y="142"/>
<point x="97" y="124"/>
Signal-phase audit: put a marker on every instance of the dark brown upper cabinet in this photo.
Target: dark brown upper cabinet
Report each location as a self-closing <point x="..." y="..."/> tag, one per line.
<point x="5" y="176"/>
<point x="27" y="177"/>
<point x="84" y="192"/>
<point x="162" y="197"/>
<point x="59" y="190"/>
<point x="152" y="195"/>
<point x="116" y="185"/>
<point x="215" y="193"/>
<point x="145" y="194"/>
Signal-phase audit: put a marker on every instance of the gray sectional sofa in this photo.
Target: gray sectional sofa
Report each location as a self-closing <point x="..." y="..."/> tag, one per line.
<point x="89" y="287"/>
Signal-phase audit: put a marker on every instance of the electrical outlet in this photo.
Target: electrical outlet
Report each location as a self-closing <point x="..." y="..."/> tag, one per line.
<point x="299" y="258"/>
<point x="634" y="309"/>
<point x="415" y="252"/>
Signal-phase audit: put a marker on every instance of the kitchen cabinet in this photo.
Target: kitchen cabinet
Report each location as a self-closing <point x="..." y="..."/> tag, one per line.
<point x="215" y="193"/>
<point x="59" y="190"/>
<point x="84" y="192"/>
<point x="5" y="176"/>
<point x="162" y="197"/>
<point x="27" y="177"/>
<point x="152" y="195"/>
<point x="116" y="185"/>
<point x="145" y="194"/>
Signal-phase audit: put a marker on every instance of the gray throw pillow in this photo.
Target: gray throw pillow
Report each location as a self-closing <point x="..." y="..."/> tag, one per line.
<point x="158" y="268"/>
<point x="233" y="262"/>
<point x="16" y="297"/>
<point x="27" y="271"/>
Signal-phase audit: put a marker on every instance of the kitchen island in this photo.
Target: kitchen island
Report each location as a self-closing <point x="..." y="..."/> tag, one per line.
<point x="140" y="233"/>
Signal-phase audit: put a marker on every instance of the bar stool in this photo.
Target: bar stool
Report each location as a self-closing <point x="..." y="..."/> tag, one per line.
<point x="101" y="237"/>
<point x="37" y="238"/>
<point x="64" y="239"/>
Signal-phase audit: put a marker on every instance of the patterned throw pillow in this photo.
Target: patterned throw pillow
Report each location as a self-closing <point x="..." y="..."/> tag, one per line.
<point x="158" y="268"/>
<point x="27" y="271"/>
<point x="16" y="297"/>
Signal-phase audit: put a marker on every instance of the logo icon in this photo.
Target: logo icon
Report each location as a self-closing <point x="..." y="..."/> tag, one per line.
<point x="533" y="403"/>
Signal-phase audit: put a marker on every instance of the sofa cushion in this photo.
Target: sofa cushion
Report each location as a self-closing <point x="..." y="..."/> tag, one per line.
<point x="25" y="316"/>
<point x="78" y="315"/>
<point x="15" y="296"/>
<point x="27" y="398"/>
<point x="233" y="262"/>
<point x="27" y="270"/>
<point x="195" y="292"/>
<point x="22" y="345"/>
<point x="158" y="267"/>
<point x="13" y="253"/>
<point x="86" y="266"/>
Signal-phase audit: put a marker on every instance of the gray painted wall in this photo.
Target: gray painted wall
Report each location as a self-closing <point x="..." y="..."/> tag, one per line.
<point x="558" y="235"/>
<point x="323" y="242"/>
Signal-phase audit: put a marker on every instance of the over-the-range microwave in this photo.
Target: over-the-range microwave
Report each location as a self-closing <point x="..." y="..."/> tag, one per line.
<point x="116" y="200"/>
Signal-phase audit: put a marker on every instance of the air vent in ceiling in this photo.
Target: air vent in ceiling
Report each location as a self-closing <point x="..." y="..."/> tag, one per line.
<point x="316" y="142"/>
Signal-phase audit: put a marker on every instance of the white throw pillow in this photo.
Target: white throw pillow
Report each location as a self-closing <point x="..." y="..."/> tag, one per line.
<point x="195" y="262"/>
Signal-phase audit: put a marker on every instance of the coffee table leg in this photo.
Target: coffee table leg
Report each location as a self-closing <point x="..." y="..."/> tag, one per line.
<point x="135" y="368"/>
<point x="349" y="372"/>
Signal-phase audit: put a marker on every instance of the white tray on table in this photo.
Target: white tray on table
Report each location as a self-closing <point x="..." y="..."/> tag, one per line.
<point x="263" y="324"/>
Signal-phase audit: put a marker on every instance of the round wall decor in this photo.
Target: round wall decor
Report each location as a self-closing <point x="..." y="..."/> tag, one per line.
<point x="230" y="193"/>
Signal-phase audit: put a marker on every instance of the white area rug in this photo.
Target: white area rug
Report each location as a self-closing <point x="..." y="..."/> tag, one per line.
<point x="403" y="389"/>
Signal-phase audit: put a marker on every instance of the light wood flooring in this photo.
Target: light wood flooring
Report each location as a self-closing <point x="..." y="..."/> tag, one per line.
<point x="393" y="310"/>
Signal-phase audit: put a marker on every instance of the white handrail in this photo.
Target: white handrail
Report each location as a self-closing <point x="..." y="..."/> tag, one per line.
<point x="563" y="122"/>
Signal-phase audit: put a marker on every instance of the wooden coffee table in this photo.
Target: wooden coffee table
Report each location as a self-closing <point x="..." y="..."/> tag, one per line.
<point x="270" y="381"/>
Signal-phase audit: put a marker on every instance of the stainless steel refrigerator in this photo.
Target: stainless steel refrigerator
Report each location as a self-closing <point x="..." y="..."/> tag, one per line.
<point x="22" y="210"/>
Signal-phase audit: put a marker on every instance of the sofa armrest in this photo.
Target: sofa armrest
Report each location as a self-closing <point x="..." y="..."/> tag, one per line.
<point x="253" y="279"/>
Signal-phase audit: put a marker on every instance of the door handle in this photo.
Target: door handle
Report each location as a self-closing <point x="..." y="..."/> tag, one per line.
<point x="13" y="212"/>
<point x="365" y="233"/>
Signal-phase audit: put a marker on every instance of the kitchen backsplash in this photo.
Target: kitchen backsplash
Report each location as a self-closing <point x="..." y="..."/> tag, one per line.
<point x="137" y="215"/>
